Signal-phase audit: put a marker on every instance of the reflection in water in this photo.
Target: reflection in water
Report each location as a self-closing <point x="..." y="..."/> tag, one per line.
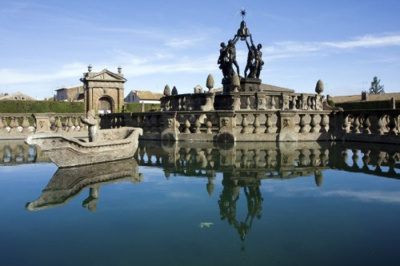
<point x="243" y="167"/>
<point x="67" y="183"/>
<point x="228" y="200"/>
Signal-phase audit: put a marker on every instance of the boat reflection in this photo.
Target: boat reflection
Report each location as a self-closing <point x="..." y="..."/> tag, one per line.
<point x="67" y="183"/>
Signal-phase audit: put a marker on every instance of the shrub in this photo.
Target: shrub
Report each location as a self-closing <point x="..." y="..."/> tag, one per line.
<point x="137" y="107"/>
<point x="41" y="107"/>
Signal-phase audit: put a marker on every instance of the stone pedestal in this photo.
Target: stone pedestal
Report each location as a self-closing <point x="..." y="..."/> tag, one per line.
<point x="42" y="123"/>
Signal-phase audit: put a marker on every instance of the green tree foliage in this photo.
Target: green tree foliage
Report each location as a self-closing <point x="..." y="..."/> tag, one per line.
<point x="376" y="88"/>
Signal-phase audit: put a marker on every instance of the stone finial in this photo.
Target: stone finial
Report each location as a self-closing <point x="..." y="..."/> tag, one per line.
<point x="210" y="82"/>
<point x="174" y="91"/>
<point x="167" y="90"/>
<point x="319" y="88"/>
<point x="119" y="70"/>
<point x="89" y="68"/>
<point x="198" y="89"/>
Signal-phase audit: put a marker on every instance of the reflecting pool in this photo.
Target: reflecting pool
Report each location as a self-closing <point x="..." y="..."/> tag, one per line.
<point x="204" y="204"/>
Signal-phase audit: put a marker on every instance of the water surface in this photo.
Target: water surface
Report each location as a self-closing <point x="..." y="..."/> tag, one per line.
<point x="187" y="204"/>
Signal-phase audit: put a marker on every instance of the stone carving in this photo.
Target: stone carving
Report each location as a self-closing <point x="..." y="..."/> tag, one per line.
<point x="93" y="125"/>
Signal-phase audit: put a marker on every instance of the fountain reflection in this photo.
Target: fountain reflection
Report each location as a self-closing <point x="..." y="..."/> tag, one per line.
<point x="269" y="160"/>
<point x="67" y="183"/>
<point x="245" y="165"/>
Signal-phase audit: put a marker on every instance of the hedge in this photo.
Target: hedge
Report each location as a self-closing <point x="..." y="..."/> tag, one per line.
<point x="41" y="107"/>
<point x="137" y="107"/>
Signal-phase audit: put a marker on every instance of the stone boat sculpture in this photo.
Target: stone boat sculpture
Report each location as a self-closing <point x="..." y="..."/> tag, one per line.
<point x="103" y="146"/>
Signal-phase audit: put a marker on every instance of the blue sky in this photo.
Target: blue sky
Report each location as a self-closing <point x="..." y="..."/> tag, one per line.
<point x="46" y="45"/>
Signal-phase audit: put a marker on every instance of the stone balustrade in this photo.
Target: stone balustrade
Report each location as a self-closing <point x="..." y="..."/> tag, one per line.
<point x="242" y="125"/>
<point x="19" y="126"/>
<point x="242" y="101"/>
<point x="382" y="126"/>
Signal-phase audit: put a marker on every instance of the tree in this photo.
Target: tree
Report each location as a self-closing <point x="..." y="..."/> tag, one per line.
<point x="375" y="87"/>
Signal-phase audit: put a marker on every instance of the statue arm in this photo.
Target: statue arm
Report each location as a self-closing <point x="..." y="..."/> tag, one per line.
<point x="251" y="40"/>
<point x="248" y="46"/>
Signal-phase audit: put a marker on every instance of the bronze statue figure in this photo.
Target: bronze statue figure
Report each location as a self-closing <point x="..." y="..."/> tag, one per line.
<point x="227" y="57"/>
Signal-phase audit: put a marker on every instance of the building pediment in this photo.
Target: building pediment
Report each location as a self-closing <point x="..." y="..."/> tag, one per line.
<point x="104" y="75"/>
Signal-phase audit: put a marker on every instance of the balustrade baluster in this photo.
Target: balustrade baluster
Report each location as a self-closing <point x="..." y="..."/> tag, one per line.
<point x="244" y="123"/>
<point x="381" y="124"/>
<point x="1" y="124"/>
<point x="323" y="123"/>
<point x="367" y="125"/>
<point x="248" y="102"/>
<point x="366" y="159"/>
<point x="25" y="124"/>
<point x="268" y="123"/>
<point x="70" y="124"/>
<point x="58" y="124"/>
<point x="392" y="125"/>
<point x="313" y="124"/>
<point x="346" y="126"/>
<point x="302" y="123"/>
<point x="356" y="124"/>
<point x="273" y="103"/>
<point x="14" y="125"/>
<point x="209" y="125"/>
<point x="76" y="123"/>
<point x="256" y="123"/>
<point x="355" y="158"/>
<point x="197" y="125"/>
<point x="187" y="126"/>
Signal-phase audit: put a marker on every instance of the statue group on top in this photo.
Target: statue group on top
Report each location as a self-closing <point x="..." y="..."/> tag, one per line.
<point x="227" y="57"/>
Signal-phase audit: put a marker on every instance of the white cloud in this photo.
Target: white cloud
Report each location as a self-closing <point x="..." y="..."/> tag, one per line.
<point x="290" y="48"/>
<point x="367" y="41"/>
<point x="72" y="70"/>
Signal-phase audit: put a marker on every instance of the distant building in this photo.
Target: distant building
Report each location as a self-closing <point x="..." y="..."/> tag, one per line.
<point x="143" y="97"/>
<point x="366" y="97"/>
<point x="18" y="96"/>
<point x="71" y="94"/>
<point x="367" y="101"/>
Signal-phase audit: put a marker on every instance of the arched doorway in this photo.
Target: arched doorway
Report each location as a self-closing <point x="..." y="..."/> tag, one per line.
<point x="105" y="105"/>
